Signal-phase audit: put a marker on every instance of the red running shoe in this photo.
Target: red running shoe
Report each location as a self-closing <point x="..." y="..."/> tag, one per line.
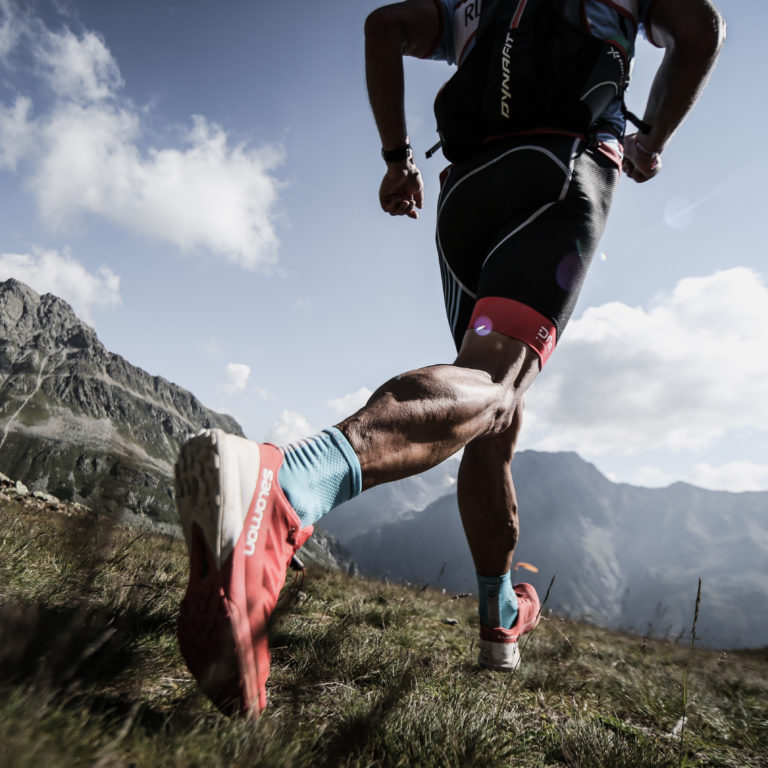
<point x="498" y="646"/>
<point x="241" y="533"/>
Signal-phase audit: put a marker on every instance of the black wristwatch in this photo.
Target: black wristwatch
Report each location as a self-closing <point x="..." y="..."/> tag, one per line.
<point x="396" y="155"/>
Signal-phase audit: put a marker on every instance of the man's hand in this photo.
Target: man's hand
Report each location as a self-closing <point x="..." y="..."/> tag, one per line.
<point x="402" y="190"/>
<point x="640" y="163"/>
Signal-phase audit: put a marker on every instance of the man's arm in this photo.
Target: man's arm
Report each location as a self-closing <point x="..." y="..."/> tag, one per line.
<point x="404" y="29"/>
<point x="692" y="33"/>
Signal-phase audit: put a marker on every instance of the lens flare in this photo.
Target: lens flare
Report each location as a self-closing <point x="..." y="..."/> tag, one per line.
<point x="482" y="325"/>
<point x="569" y="271"/>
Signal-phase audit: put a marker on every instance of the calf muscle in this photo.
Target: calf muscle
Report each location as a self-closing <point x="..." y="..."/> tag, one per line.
<point x="420" y="418"/>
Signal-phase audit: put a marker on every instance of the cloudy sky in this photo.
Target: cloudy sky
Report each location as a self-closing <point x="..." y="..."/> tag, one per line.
<point x="199" y="180"/>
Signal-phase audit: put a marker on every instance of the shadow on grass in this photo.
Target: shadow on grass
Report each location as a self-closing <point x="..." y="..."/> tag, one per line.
<point x="66" y="649"/>
<point x="83" y="614"/>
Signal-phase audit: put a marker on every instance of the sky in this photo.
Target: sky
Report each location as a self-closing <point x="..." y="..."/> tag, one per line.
<point x="199" y="180"/>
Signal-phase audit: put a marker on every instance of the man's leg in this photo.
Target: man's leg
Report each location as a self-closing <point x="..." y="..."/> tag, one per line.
<point x="487" y="499"/>
<point x="488" y="506"/>
<point x="410" y="424"/>
<point x="419" y="419"/>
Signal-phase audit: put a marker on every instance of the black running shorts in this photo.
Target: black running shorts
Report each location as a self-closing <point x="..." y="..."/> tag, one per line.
<point x="517" y="227"/>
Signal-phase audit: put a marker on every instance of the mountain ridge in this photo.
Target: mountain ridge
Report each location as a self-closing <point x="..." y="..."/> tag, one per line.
<point x="84" y="425"/>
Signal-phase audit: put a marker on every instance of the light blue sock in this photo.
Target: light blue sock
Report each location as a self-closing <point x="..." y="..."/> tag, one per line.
<point x="319" y="473"/>
<point x="498" y="601"/>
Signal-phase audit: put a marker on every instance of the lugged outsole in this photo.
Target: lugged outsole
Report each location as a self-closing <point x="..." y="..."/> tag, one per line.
<point x="206" y="628"/>
<point x="197" y="484"/>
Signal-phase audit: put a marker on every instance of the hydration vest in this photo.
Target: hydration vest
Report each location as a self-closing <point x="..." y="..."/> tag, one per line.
<point x="533" y="66"/>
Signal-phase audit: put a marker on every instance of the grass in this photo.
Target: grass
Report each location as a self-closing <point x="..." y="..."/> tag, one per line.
<point x="365" y="674"/>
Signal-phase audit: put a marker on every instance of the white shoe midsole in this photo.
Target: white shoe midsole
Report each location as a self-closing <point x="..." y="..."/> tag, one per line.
<point x="504" y="656"/>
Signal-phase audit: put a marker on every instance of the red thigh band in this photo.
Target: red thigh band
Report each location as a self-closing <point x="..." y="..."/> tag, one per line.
<point x="512" y="318"/>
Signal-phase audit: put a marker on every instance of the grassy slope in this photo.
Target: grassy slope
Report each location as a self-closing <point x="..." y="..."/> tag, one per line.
<point x="364" y="674"/>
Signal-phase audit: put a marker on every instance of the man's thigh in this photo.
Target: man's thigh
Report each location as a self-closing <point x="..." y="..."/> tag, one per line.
<point x="516" y="232"/>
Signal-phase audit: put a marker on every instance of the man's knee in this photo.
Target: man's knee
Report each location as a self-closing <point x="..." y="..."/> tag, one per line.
<point x="511" y="365"/>
<point x="494" y="449"/>
<point x="502" y="357"/>
<point x="500" y="446"/>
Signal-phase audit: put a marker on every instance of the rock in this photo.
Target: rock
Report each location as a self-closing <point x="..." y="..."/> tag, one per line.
<point x="46" y="497"/>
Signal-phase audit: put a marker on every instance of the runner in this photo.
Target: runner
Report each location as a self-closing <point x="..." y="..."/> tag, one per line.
<point x="519" y="218"/>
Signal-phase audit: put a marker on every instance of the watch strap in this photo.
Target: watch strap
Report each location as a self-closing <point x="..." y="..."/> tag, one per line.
<point x="396" y="155"/>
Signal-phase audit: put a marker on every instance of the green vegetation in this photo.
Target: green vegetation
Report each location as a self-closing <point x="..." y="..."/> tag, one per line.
<point x="36" y="411"/>
<point x="364" y="674"/>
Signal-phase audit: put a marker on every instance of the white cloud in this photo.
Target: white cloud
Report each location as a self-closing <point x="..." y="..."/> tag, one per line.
<point x="647" y="476"/>
<point x="88" y="157"/>
<point x="679" y="213"/>
<point x="16" y="133"/>
<point x="290" y="426"/>
<point x="348" y="404"/>
<point x="733" y="476"/>
<point x="9" y="32"/>
<point x="677" y="375"/>
<point x="59" y="274"/>
<point x="213" y="347"/>
<point x="263" y="394"/>
<point x="78" y="68"/>
<point x="236" y="378"/>
<point x="87" y="162"/>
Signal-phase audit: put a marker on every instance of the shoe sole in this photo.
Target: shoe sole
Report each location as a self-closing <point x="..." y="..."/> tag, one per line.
<point x="485" y="657"/>
<point x="214" y="636"/>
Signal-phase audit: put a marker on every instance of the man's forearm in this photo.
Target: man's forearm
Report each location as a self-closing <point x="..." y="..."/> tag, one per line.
<point x="385" y="42"/>
<point x="679" y="81"/>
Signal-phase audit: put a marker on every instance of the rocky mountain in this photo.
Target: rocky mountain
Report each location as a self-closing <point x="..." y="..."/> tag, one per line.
<point x="624" y="557"/>
<point x="82" y="424"/>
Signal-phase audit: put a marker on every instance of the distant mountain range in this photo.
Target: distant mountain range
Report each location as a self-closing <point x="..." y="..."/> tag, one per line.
<point x="624" y="557"/>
